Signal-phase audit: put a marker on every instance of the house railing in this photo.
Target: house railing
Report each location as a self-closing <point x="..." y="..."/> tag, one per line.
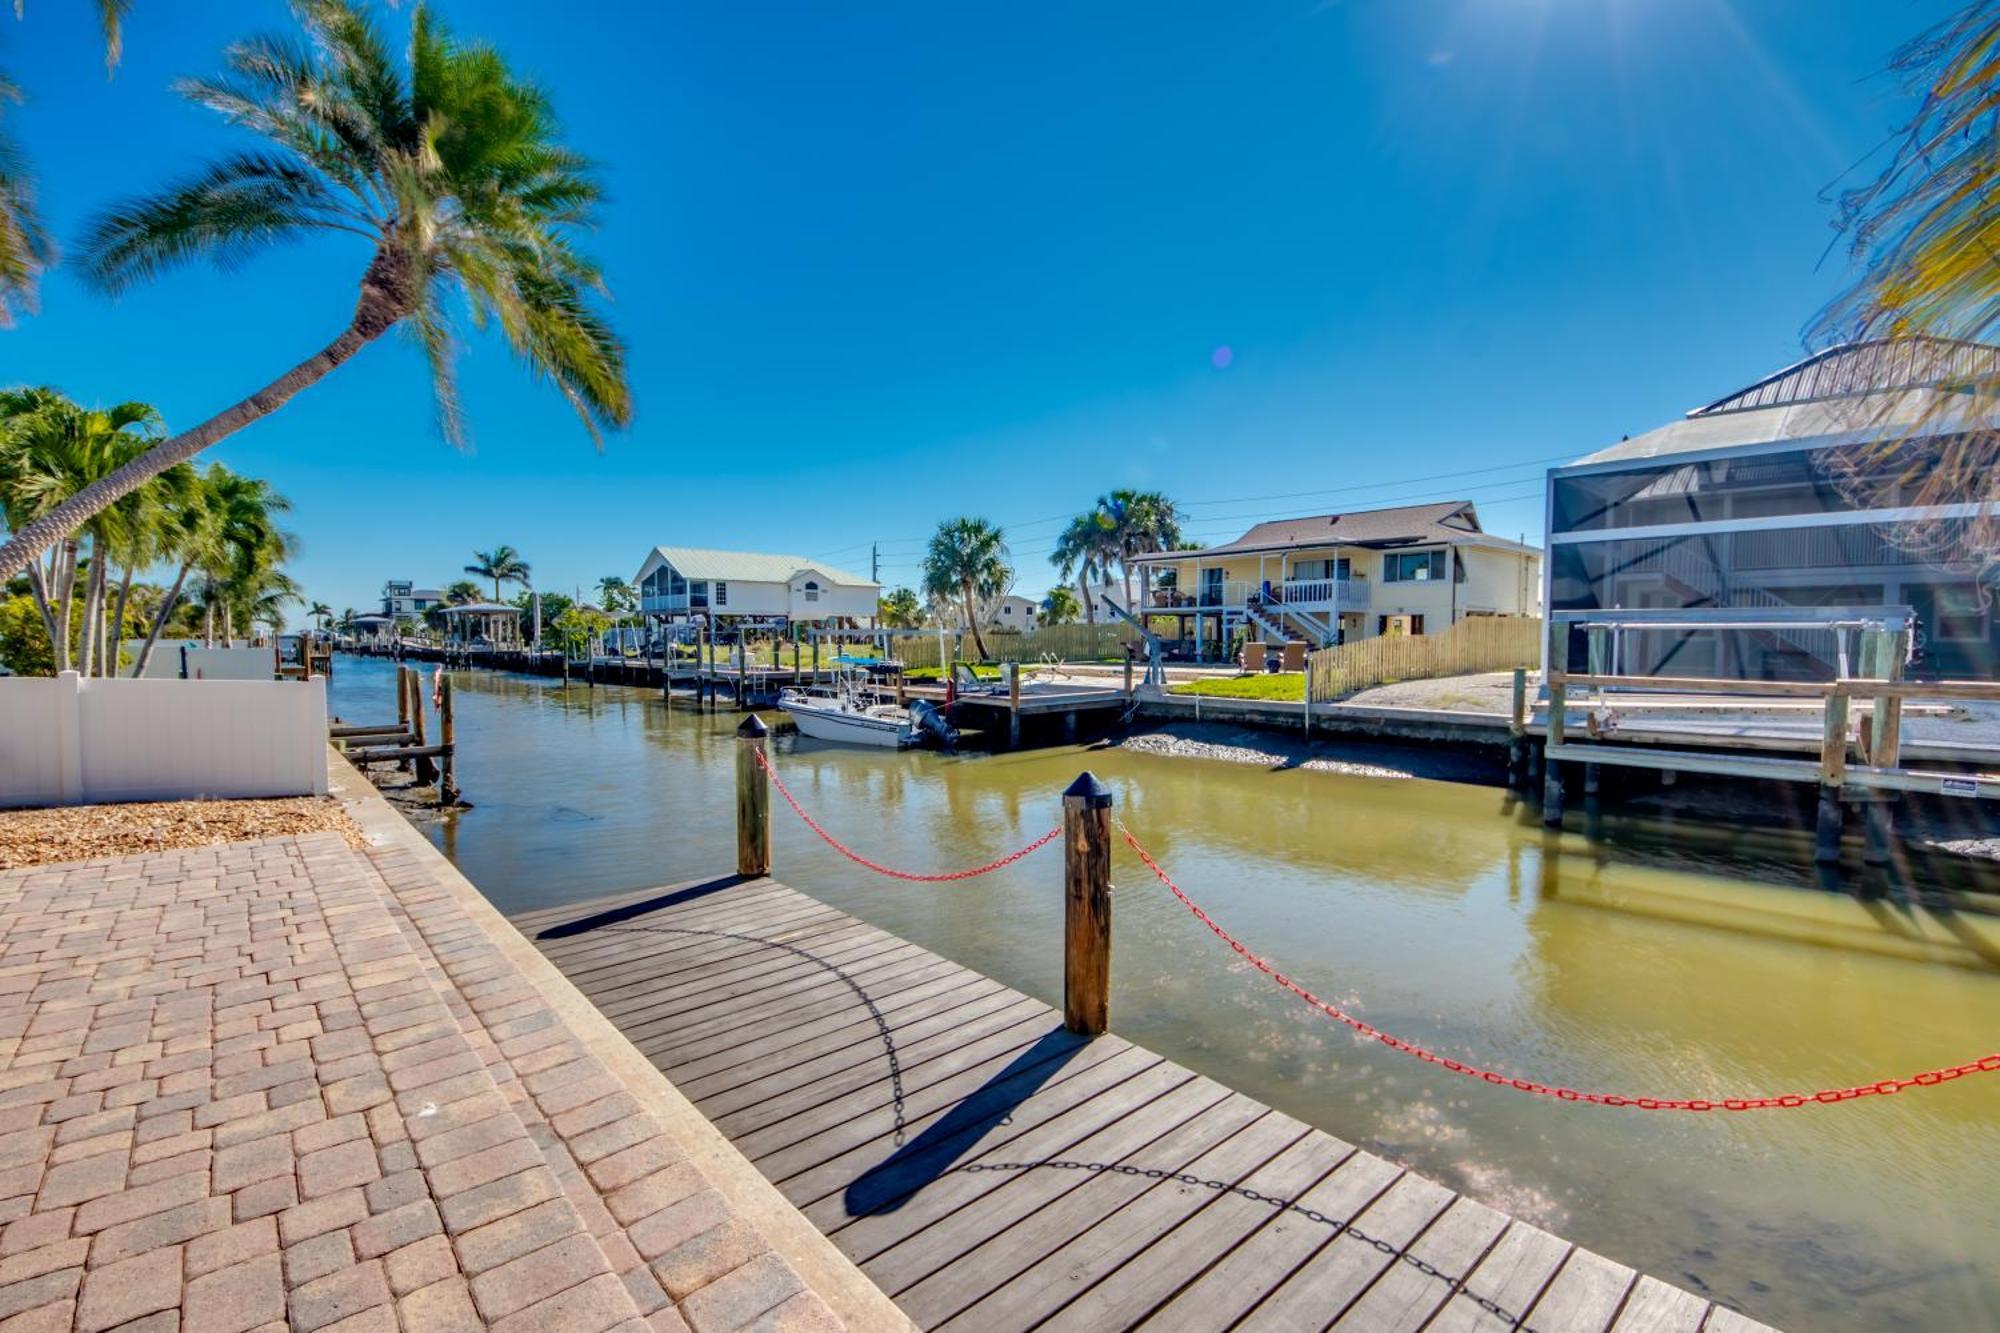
<point x="1310" y="594"/>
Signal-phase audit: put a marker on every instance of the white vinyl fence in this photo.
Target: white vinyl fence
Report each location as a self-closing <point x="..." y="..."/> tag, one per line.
<point x="70" y="741"/>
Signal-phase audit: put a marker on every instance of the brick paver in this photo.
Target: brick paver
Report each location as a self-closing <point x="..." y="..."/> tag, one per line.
<point x="280" y="1084"/>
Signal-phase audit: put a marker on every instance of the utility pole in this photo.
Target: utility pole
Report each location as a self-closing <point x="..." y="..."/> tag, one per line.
<point x="875" y="562"/>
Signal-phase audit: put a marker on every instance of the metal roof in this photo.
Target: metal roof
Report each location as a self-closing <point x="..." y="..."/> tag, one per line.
<point x="1862" y="368"/>
<point x="472" y="608"/>
<point x="747" y="566"/>
<point x="1452" y="521"/>
<point x="1885" y="387"/>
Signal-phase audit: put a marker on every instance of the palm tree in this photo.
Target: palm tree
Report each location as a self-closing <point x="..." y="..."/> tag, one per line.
<point x="52" y="449"/>
<point x="614" y="594"/>
<point x="25" y="249"/>
<point x="24" y="245"/>
<point x="1086" y="550"/>
<point x="967" y="560"/>
<point x="900" y="609"/>
<point x="226" y="531"/>
<point x="448" y="167"/>
<point x="502" y="564"/>
<point x="1140" y="523"/>
<point x="321" y="615"/>
<point x="1060" y="606"/>
<point x="461" y="591"/>
<point x="1925" y="236"/>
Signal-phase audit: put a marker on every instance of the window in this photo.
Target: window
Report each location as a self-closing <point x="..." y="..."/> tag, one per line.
<point x="698" y="592"/>
<point x="812" y="591"/>
<point x="1412" y="566"/>
<point x="721" y="593"/>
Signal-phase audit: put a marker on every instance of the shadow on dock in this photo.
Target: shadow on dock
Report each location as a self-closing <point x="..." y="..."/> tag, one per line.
<point x="929" y="1156"/>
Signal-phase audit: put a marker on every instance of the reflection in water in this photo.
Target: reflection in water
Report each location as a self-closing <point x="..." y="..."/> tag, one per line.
<point x="1686" y="957"/>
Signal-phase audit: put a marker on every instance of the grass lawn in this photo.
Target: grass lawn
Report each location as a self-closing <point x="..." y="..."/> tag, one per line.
<point x="1283" y="685"/>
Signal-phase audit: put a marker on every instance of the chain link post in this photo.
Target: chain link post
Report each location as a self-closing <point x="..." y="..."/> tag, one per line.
<point x="753" y="800"/>
<point x="1087" y="906"/>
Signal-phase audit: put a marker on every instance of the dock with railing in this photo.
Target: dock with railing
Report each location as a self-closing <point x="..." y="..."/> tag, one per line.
<point x="995" y="1162"/>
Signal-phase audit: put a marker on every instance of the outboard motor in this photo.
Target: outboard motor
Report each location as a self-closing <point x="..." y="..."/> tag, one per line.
<point x="930" y="723"/>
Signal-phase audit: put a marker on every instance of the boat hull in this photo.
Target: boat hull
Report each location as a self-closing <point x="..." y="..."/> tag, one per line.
<point x="849" y="728"/>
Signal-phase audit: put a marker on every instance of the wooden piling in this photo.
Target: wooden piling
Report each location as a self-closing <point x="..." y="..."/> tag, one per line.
<point x="448" y="738"/>
<point x="403" y="675"/>
<point x="1013" y="705"/>
<point x="1517" y="728"/>
<point x="1087" y="906"/>
<point x="1552" y="788"/>
<point x="426" y="767"/>
<point x="753" y="800"/>
<point x="1832" y="775"/>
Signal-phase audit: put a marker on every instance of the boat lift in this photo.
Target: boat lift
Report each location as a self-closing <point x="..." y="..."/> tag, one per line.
<point x="1156" y="665"/>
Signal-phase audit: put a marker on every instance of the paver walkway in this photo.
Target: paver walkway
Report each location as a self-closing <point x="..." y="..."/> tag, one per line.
<point x="256" y="1087"/>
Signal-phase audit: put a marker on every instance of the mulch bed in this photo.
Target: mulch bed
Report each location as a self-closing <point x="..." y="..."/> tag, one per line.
<point x="83" y="832"/>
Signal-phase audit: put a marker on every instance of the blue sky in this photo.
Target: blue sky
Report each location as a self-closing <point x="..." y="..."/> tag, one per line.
<point x="884" y="264"/>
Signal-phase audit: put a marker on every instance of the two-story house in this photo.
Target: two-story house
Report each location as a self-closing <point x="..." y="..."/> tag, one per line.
<point x="403" y="600"/>
<point x="1013" y="611"/>
<point x="685" y="583"/>
<point x="1336" y="578"/>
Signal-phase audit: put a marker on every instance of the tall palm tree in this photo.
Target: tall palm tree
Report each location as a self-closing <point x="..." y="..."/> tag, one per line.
<point x="445" y="165"/>
<point x="967" y="560"/>
<point x="1086" y="550"/>
<point x="502" y="564"/>
<point x="226" y="531"/>
<point x="320" y="614"/>
<point x="1140" y="523"/>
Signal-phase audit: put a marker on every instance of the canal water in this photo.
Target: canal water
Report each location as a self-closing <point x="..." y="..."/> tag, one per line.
<point x="1670" y="959"/>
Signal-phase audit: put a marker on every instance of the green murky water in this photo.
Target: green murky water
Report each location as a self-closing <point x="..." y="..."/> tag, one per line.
<point x="1684" y="958"/>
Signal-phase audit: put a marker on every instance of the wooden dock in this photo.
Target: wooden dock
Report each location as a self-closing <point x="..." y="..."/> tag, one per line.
<point x="990" y="1170"/>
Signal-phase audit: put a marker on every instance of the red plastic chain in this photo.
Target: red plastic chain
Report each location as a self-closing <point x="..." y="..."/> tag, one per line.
<point x="1930" y="1078"/>
<point x="877" y="866"/>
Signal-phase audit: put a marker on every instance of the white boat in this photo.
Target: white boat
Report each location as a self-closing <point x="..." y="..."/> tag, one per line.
<point x="844" y="712"/>
<point x="844" y="717"/>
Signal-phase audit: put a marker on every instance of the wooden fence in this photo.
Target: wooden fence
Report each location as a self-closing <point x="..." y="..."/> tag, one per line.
<point x="1477" y="643"/>
<point x="1068" y="643"/>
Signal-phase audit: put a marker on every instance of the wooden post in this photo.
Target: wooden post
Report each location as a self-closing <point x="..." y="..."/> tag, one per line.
<point x="403" y="675"/>
<point x="1087" y="906"/>
<point x="1552" y="788"/>
<point x="448" y="738"/>
<point x="1517" y="729"/>
<point x="426" y="766"/>
<point x="1832" y="775"/>
<point x="902" y="690"/>
<point x="753" y="800"/>
<point x="1128" y="675"/>
<point x="1013" y="705"/>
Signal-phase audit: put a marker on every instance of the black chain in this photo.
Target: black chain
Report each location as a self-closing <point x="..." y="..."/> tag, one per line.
<point x="867" y="1000"/>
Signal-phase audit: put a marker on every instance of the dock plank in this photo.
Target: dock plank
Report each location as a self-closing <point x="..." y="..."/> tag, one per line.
<point x="991" y="1171"/>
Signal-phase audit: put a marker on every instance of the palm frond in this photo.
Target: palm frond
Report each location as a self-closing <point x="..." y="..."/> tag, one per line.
<point x="228" y="212"/>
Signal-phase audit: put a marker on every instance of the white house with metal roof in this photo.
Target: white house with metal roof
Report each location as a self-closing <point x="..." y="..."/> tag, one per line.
<point x="1337" y="578"/>
<point x="686" y="582"/>
<point x="1816" y="487"/>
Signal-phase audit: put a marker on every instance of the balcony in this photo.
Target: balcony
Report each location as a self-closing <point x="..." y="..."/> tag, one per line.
<point x="1348" y="594"/>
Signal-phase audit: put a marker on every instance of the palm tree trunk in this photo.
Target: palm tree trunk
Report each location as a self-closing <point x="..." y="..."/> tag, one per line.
<point x="118" y="623"/>
<point x="1089" y="606"/>
<point x="66" y="600"/>
<point x="208" y="626"/>
<point x="1125" y="570"/>
<point x="92" y="619"/>
<point x="38" y="584"/>
<point x="383" y="302"/>
<point x="159" y="623"/>
<point x="972" y="621"/>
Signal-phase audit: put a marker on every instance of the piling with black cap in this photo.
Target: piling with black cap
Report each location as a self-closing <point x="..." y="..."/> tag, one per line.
<point x="1087" y="906"/>
<point x="753" y="799"/>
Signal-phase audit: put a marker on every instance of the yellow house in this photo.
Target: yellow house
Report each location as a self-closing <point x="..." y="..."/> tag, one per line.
<point x="1336" y="578"/>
